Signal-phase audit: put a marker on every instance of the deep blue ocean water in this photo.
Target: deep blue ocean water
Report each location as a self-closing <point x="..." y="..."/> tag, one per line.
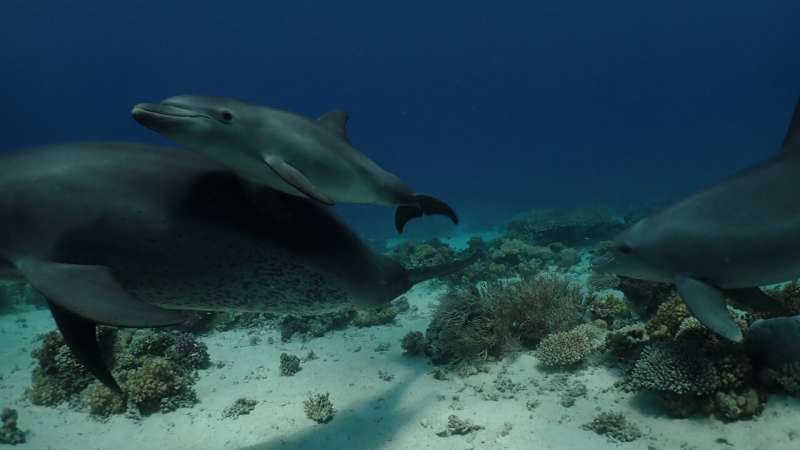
<point x="496" y="107"/>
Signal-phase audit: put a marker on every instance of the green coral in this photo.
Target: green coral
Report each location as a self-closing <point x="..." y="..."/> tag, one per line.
<point x="668" y="319"/>
<point x="615" y="426"/>
<point x="58" y="376"/>
<point x="737" y="405"/>
<point x="159" y="385"/>
<point x="609" y="308"/>
<point x="240" y="407"/>
<point x="462" y="328"/>
<point x="9" y="431"/>
<point x="414" y="343"/>
<point x="102" y="401"/>
<point x="290" y="365"/>
<point x="381" y="315"/>
<point x="319" y="408"/>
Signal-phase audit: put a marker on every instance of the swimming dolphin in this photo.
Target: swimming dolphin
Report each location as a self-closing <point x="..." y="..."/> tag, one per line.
<point x="130" y="235"/>
<point x="285" y="151"/>
<point x="724" y="241"/>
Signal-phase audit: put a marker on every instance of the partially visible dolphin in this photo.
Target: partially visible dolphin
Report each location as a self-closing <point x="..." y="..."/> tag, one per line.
<point x="285" y="151"/>
<point x="128" y="235"/>
<point x="724" y="241"/>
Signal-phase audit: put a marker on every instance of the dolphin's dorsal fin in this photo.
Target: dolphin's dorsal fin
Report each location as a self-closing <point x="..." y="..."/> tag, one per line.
<point x="791" y="143"/>
<point x="335" y="121"/>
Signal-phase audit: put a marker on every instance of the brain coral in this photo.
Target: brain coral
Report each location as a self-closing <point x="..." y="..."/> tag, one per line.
<point x="678" y="368"/>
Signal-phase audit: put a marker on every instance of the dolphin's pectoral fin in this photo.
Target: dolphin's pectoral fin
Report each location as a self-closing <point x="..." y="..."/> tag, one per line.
<point x="335" y="121"/>
<point x="91" y="292"/>
<point x="707" y="304"/>
<point x="791" y="142"/>
<point x="757" y="300"/>
<point x="425" y="205"/>
<point x="294" y="177"/>
<point x="81" y="337"/>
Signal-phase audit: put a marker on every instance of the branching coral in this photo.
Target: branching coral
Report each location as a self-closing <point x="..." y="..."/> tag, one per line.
<point x="614" y="426"/>
<point x="668" y="318"/>
<point x="319" y="408"/>
<point x="9" y="432"/>
<point x="290" y="365"/>
<point x="674" y="368"/>
<point x="609" y="308"/>
<point x="462" y="328"/>
<point x="567" y="348"/>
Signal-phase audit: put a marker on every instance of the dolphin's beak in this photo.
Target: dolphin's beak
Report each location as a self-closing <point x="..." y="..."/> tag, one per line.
<point x="160" y="117"/>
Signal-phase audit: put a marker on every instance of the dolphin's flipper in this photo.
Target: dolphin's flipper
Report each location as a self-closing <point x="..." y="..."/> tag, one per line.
<point x="425" y="205"/>
<point x="707" y="304"/>
<point x="91" y="292"/>
<point x="294" y="177"/>
<point x="335" y="121"/>
<point x="757" y="300"/>
<point x="81" y="337"/>
<point x="421" y="274"/>
<point x="792" y="139"/>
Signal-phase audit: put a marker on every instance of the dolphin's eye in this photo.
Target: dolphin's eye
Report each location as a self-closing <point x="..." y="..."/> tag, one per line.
<point x="227" y="116"/>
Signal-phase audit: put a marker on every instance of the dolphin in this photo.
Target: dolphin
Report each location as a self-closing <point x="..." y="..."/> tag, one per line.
<point x="722" y="242"/>
<point x="285" y="151"/>
<point x="132" y="235"/>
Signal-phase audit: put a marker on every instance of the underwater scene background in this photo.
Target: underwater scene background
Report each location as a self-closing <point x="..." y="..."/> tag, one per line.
<point x="549" y="126"/>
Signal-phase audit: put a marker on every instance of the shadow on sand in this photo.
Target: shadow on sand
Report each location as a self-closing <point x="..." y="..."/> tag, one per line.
<point x="368" y="424"/>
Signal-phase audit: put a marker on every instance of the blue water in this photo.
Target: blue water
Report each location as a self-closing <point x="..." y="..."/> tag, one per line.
<point x="495" y="107"/>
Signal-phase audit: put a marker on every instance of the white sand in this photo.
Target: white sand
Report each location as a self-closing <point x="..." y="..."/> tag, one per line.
<point x="404" y="413"/>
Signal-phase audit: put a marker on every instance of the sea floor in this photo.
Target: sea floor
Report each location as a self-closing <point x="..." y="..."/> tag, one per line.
<point x="519" y="405"/>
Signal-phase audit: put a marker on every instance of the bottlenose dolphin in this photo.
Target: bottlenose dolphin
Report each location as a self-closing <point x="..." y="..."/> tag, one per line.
<point x="724" y="241"/>
<point x="285" y="151"/>
<point x="130" y="235"/>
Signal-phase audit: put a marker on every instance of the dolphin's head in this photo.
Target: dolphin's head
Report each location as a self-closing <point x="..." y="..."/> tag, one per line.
<point x="631" y="255"/>
<point x="202" y="123"/>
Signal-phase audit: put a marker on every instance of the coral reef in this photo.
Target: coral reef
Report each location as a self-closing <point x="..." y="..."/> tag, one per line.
<point x="577" y="226"/>
<point x="458" y="426"/>
<point x="318" y="407"/>
<point x="674" y="368"/>
<point x="472" y="325"/>
<point x="600" y="281"/>
<point x="381" y="315"/>
<point x="9" y="432"/>
<point x="290" y="365"/>
<point x="413" y="255"/>
<point x="609" y="308"/>
<point x="567" y="348"/>
<point x="668" y="318"/>
<point x="414" y="343"/>
<point x="240" y="407"/>
<point x="645" y="296"/>
<point x="314" y="325"/>
<point x="744" y="404"/>
<point x="159" y="385"/>
<point x="624" y="344"/>
<point x="462" y="328"/>
<point x="615" y="426"/>
<point x="156" y="370"/>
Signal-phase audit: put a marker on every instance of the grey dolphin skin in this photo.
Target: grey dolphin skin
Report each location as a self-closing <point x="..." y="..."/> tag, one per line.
<point x="288" y="152"/>
<point x="131" y="235"/>
<point x="723" y="242"/>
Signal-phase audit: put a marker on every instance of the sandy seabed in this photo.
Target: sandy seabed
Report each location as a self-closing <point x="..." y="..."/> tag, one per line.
<point x="518" y="404"/>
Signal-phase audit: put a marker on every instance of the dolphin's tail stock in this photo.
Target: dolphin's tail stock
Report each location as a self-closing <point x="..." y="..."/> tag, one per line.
<point x="422" y="205"/>
<point x="426" y="273"/>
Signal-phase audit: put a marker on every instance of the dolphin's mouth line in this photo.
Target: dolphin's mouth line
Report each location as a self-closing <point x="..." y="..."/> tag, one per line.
<point x="168" y="111"/>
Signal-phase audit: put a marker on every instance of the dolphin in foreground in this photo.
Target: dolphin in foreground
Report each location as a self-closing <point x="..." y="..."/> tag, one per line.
<point x="723" y="242"/>
<point x="132" y="235"/>
<point x="285" y="151"/>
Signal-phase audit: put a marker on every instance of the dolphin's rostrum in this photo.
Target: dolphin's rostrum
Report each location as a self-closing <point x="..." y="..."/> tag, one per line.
<point x="723" y="242"/>
<point x="130" y="235"/>
<point x="288" y="152"/>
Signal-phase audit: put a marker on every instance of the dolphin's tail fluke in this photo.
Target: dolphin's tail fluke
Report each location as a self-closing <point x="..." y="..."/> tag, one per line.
<point x="422" y="205"/>
<point x="426" y="273"/>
